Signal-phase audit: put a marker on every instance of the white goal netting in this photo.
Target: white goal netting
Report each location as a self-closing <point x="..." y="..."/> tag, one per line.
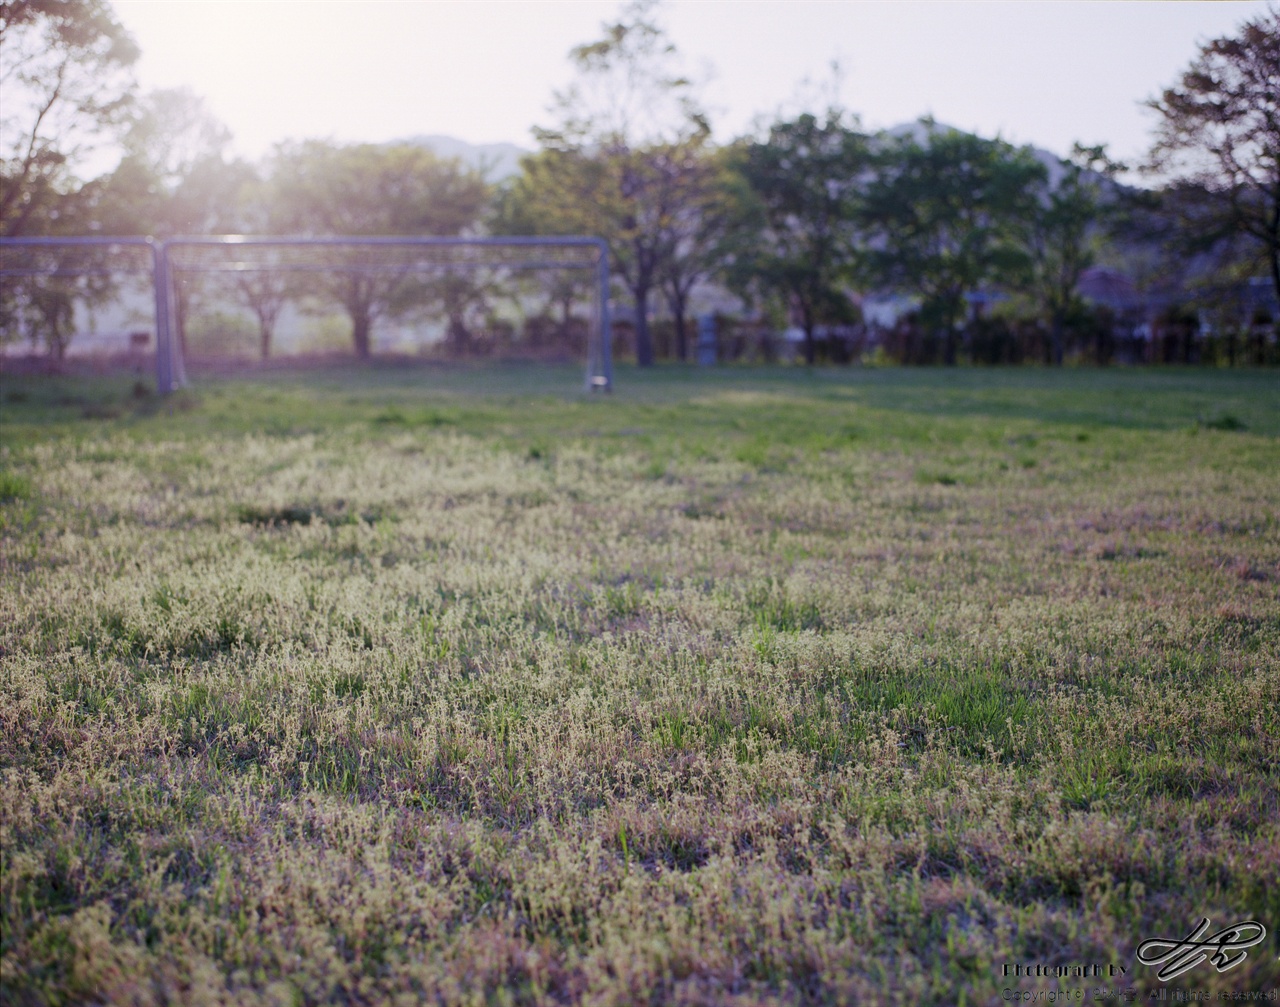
<point x="264" y="296"/>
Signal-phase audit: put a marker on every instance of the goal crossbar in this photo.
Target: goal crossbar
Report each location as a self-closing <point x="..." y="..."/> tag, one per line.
<point x="216" y="253"/>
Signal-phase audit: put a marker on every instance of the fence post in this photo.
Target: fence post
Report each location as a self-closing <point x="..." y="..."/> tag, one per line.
<point x="164" y="358"/>
<point x="706" y="340"/>
<point x="171" y="369"/>
<point x="600" y="357"/>
<point x="606" y="332"/>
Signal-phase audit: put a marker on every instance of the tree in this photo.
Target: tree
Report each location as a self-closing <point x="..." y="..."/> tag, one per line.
<point x="264" y="291"/>
<point x="64" y="75"/>
<point x="1061" y="234"/>
<point x="1220" y="128"/>
<point x="801" y="242"/>
<point x="625" y="160"/>
<point x="945" y="209"/>
<point x="65" y="87"/>
<point x="541" y="201"/>
<point x="465" y="298"/>
<point x="43" y="308"/>
<point x="521" y="209"/>
<point x="658" y="208"/>
<point x="366" y="189"/>
<point x="173" y="179"/>
<point x="700" y="232"/>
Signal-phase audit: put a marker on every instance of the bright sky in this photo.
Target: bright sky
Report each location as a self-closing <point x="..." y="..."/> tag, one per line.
<point x="1046" y="73"/>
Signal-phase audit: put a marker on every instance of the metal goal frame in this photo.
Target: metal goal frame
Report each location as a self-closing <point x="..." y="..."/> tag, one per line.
<point x="512" y="253"/>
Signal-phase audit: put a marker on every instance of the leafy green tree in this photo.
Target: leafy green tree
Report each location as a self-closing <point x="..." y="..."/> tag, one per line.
<point x="1219" y="128"/>
<point x="1062" y="234"/>
<point x="65" y="89"/>
<point x="700" y="233"/>
<point x="265" y="294"/>
<point x="174" y="179"/>
<point x="66" y="86"/>
<point x="249" y="208"/>
<point x="466" y="299"/>
<point x="544" y="200"/>
<point x="43" y="308"/>
<point x="367" y="190"/>
<point x="625" y="161"/>
<point x="661" y="209"/>
<point x="263" y="291"/>
<point x="522" y="209"/>
<point x="945" y="210"/>
<point x="798" y="239"/>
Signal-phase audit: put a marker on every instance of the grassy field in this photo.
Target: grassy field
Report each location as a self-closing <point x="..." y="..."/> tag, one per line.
<point x="454" y="685"/>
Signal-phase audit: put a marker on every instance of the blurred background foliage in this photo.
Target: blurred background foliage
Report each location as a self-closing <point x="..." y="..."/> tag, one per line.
<point x="812" y="239"/>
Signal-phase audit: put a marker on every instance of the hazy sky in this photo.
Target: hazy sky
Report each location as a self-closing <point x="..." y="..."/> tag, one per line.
<point x="1046" y="73"/>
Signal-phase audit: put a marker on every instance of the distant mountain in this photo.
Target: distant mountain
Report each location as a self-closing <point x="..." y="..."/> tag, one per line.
<point x="498" y="161"/>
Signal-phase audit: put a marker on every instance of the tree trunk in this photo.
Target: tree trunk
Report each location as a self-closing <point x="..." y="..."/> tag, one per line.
<point x="677" y="301"/>
<point x="1056" y="330"/>
<point x="264" y="334"/>
<point x="181" y="308"/>
<point x="644" y="339"/>
<point x="459" y="336"/>
<point x="1273" y="250"/>
<point x="949" y="345"/>
<point x="361" y="325"/>
<point x="566" y="318"/>
<point x="810" y="343"/>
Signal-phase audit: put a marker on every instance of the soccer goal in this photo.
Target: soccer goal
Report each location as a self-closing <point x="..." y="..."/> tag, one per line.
<point x="455" y="293"/>
<point x="51" y="284"/>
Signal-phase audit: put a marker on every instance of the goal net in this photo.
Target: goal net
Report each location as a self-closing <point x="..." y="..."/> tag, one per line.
<point x="262" y="296"/>
<point x="54" y="289"/>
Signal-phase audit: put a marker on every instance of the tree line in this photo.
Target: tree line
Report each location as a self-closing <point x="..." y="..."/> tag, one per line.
<point x="980" y="247"/>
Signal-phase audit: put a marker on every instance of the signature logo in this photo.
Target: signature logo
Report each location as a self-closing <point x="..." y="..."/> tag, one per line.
<point x="1226" y="948"/>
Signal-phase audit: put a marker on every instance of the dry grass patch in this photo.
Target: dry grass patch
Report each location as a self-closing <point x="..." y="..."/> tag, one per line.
<point x="787" y="698"/>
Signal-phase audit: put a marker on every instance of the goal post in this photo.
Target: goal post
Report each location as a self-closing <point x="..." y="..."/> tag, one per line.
<point x="44" y="277"/>
<point x="377" y="265"/>
<point x="381" y="263"/>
